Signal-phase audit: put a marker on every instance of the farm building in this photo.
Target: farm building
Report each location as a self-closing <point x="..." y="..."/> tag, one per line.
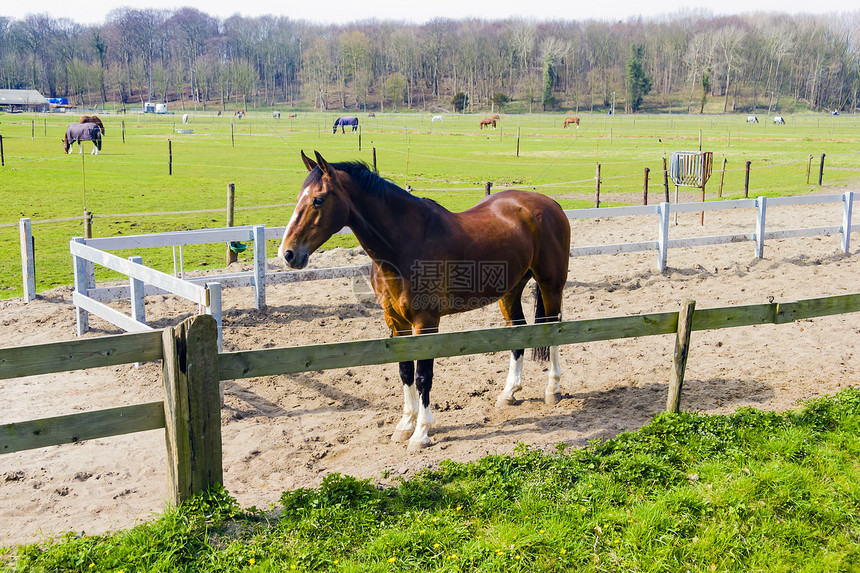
<point x="23" y="100"/>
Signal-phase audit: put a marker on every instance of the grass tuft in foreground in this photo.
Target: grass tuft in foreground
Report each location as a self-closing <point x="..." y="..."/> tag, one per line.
<point x="754" y="491"/>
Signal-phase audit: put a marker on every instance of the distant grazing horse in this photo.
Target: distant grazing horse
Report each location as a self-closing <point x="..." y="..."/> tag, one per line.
<point x="184" y="118"/>
<point x="436" y="118"/>
<point x="778" y="119"/>
<point x="752" y="119"/>
<point x="497" y="117"/>
<point x="292" y="115"/>
<point x="80" y="132"/>
<point x="572" y="119"/>
<point x="429" y="262"/>
<point x="93" y="119"/>
<point x="239" y="113"/>
<point x="371" y="114"/>
<point x="276" y="115"/>
<point x="488" y="121"/>
<point x="343" y="122"/>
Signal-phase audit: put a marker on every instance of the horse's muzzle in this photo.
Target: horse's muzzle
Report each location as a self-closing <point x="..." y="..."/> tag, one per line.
<point x="295" y="260"/>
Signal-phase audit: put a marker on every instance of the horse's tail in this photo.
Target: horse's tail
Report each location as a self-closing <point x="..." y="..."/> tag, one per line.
<point x="540" y="353"/>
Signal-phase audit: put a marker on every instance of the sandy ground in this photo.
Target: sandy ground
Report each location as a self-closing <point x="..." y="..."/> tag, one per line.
<point x="285" y="432"/>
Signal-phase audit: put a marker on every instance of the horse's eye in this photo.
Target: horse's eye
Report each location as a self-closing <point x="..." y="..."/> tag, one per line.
<point x="318" y="201"/>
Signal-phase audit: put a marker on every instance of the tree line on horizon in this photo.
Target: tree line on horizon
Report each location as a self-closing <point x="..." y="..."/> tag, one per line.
<point x="687" y="62"/>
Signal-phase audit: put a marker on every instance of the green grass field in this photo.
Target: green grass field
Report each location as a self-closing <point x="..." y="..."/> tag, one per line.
<point x="129" y="188"/>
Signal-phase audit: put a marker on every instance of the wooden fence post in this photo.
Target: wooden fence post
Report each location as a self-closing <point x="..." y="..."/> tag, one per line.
<point x="375" y="170"/>
<point x="682" y="350"/>
<point x="722" y="177"/>
<point x="597" y="188"/>
<point x="665" y="181"/>
<point x="821" y="171"/>
<point x="192" y="407"/>
<point x="169" y="157"/>
<point x="747" y="181"/>
<point x="645" y="187"/>
<point x="2" y="157"/>
<point x="487" y="187"/>
<point x="232" y="256"/>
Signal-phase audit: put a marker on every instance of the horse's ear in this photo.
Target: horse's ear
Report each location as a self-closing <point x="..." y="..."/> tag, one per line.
<point x="309" y="163"/>
<point x="323" y="164"/>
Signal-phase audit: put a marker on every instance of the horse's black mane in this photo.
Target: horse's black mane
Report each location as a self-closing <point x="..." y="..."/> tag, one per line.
<point x="366" y="178"/>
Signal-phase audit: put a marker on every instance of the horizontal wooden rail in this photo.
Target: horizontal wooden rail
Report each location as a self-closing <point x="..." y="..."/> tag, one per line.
<point x="79" y="354"/>
<point x="71" y="428"/>
<point x="248" y="364"/>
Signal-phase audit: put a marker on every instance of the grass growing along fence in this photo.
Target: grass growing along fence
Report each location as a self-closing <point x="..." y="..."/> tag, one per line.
<point x="753" y="491"/>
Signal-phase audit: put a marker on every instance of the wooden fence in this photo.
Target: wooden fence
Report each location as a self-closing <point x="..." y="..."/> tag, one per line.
<point x="193" y="369"/>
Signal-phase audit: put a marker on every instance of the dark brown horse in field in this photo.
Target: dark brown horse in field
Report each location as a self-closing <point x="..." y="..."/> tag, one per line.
<point x="429" y="262"/>
<point x="569" y="120"/>
<point x="93" y="119"/>
<point x="488" y="121"/>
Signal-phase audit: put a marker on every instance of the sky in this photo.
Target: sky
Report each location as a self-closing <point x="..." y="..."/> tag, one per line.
<point x="346" y="11"/>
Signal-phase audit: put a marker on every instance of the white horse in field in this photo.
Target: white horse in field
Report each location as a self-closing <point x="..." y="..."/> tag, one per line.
<point x="778" y="119"/>
<point x="752" y="119"/>
<point x="436" y="118"/>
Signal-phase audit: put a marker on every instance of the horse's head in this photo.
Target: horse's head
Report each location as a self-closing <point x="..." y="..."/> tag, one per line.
<point x="333" y="130"/>
<point x="322" y="209"/>
<point x="66" y="145"/>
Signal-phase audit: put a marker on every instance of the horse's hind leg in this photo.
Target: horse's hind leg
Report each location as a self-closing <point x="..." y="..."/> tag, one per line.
<point x="512" y="309"/>
<point x="551" y="298"/>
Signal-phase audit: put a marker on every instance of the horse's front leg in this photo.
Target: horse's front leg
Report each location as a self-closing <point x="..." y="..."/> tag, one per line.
<point x="424" y="382"/>
<point x="406" y="427"/>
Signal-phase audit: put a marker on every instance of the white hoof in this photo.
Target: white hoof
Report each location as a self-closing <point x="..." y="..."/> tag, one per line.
<point x="418" y="446"/>
<point x="401" y="436"/>
<point x="501" y="402"/>
<point x="552" y="398"/>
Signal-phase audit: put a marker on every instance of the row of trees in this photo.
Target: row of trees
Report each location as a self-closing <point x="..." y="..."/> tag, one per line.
<point x="679" y="62"/>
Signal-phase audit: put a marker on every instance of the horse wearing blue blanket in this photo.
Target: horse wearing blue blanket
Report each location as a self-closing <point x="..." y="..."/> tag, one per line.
<point x="344" y="122"/>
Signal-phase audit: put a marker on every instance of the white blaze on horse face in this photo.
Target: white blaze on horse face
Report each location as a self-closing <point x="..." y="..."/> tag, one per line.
<point x="302" y="197"/>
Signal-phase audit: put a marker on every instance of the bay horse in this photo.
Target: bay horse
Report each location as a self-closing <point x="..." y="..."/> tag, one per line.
<point x="488" y="121"/>
<point x="93" y="119"/>
<point x="80" y="132"/>
<point x="571" y="119"/>
<point x="428" y="262"/>
<point x="343" y="122"/>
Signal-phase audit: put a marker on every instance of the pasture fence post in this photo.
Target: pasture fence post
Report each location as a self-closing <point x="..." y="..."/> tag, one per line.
<point x="136" y="294"/>
<point x="487" y="187"/>
<point x="722" y="177"/>
<point x="821" y="171"/>
<point x="213" y="308"/>
<point x="259" y="232"/>
<point x="518" y="142"/>
<point x="359" y="138"/>
<point x="761" y="210"/>
<point x="33" y="130"/>
<point x="808" y="169"/>
<point x="665" y="181"/>
<point x="2" y="157"/>
<point x="597" y="188"/>
<point x="232" y="135"/>
<point x="169" y="157"/>
<point x="645" y="187"/>
<point x="747" y="181"/>
<point x="82" y="270"/>
<point x="28" y="263"/>
<point x="848" y="201"/>
<point x="663" y="235"/>
<point x="123" y="131"/>
<point x="682" y="351"/>
<point x="192" y="408"/>
<point x="375" y="170"/>
<point x="88" y="225"/>
<point x="232" y="256"/>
